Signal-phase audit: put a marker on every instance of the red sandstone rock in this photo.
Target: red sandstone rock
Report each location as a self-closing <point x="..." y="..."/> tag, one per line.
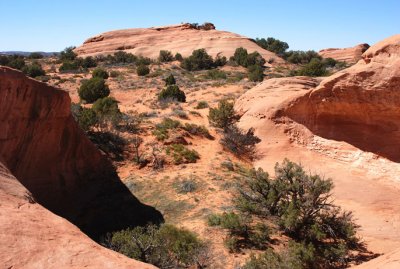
<point x="349" y="55"/>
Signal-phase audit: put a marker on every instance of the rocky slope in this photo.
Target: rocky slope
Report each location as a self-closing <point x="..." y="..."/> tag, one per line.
<point x="64" y="172"/>
<point x="180" y="38"/>
<point x="346" y="128"/>
<point x="33" y="237"/>
<point x="349" y="55"/>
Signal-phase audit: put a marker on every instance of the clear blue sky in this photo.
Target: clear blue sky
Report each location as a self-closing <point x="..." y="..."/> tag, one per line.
<point x="51" y="25"/>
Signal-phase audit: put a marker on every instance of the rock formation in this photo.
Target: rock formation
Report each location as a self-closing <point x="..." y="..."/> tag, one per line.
<point x="33" y="237"/>
<point x="182" y="38"/>
<point x="42" y="146"/>
<point x="345" y="127"/>
<point x="348" y="55"/>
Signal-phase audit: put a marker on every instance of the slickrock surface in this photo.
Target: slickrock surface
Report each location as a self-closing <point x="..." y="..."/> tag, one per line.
<point x="346" y="128"/>
<point x="33" y="237"/>
<point x="176" y="38"/>
<point x="349" y="55"/>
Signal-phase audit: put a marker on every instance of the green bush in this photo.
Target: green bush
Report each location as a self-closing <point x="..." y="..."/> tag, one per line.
<point x="195" y="129"/>
<point x="220" y="61"/>
<point x="178" y="57"/>
<point x="170" y="80"/>
<point x="199" y="60"/>
<point x="68" y="66"/>
<point x="122" y="57"/>
<point x="172" y="92"/>
<point x="85" y="117"/>
<point x="255" y="73"/>
<point x="67" y="54"/>
<point x="100" y="73"/>
<point x="164" y="247"/>
<point x="165" y="56"/>
<point x="243" y="58"/>
<point x="181" y="154"/>
<point x="215" y="74"/>
<point x="201" y="105"/>
<point x="88" y="62"/>
<point x="272" y="44"/>
<point x="314" y="68"/>
<point x="33" y="70"/>
<point x="35" y="55"/>
<point x="239" y="142"/>
<point x="300" y="203"/>
<point x="301" y="57"/>
<point x="107" y="111"/>
<point x="93" y="89"/>
<point x="162" y="128"/>
<point x="223" y="115"/>
<point x="142" y="70"/>
<point x="13" y="61"/>
<point x="114" y="73"/>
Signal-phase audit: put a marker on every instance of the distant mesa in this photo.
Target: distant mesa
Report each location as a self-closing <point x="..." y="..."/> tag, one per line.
<point x="183" y="38"/>
<point x="348" y="55"/>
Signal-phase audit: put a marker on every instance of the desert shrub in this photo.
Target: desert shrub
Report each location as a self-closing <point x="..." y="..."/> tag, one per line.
<point x="272" y="44"/>
<point x="170" y="80"/>
<point x="165" y="246"/>
<point x="88" y="62"/>
<point x="85" y="117"/>
<point x="240" y="56"/>
<point x="13" y="61"/>
<point x="195" y="129"/>
<point x="93" y="89"/>
<point x="100" y="73"/>
<point x="201" y="105"/>
<point x="121" y="57"/>
<point x="301" y="57"/>
<point x="165" y="56"/>
<point x="114" y="73"/>
<point x="178" y="57"/>
<point x="329" y="62"/>
<point x="220" y="61"/>
<point x="172" y="92"/>
<point x="303" y="210"/>
<point x="215" y="74"/>
<point x="161" y="129"/>
<point x="107" y="111"/>
<point x="68" y="66"/>
<point x="33" y="70"/>
<point x="67" y="54"/>
<point x="223" y="115"/>
<point x="243" y="58"/>
<point x="181" y="154"/>
<point x="255" y="73"/>
<point x="180" y="114"/>
<point x="199" y="60"/>
<point x="143" y="61"/>
<point x="185" y="186"/>
<point x="142" y="70"/>
<point x="35" y="55"/>
<point x="239" y="142"/>
<point x="314" y="68"/>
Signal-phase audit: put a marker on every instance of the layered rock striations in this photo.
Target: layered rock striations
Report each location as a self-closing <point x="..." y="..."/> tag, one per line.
<point x="182" y="38"/>
<point x="348" y="55"/>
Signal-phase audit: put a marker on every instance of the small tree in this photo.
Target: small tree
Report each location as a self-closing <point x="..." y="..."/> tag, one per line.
<point x="100" y="73"/>
<point x="88" y="62"/>
<point x="314" y="68"/>
<point x="272" y="44"/>
<point x="33" y="70"/>
<point x="35" y="55"/>
<point x="136" y="142"/>
<point x="178" y="57"/>
<point x="240" y="56"/>
<point x="223" y="115"/>
<point x="93" y="89"/>
<point x="199" y="60"/>
<point x="142" y="70"/>
<point x="170" y="80"/>
<point x="255" y="73"/>
<point x="165" y="56"/>
<point x="239" y="142"/>
<point x="172" y="92"/>
<point x="67" y="54"/>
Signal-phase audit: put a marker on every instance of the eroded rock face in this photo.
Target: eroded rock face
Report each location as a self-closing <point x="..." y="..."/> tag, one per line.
<point x="33" y="237"/>
<point x="41" y="144"/>
<point x="349" y="55"/>
<point x="359" y="105"/>
<point x="182" y="38"/>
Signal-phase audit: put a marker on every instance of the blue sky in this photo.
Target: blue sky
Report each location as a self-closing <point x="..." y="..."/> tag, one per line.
<point x="51" y="25"/>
